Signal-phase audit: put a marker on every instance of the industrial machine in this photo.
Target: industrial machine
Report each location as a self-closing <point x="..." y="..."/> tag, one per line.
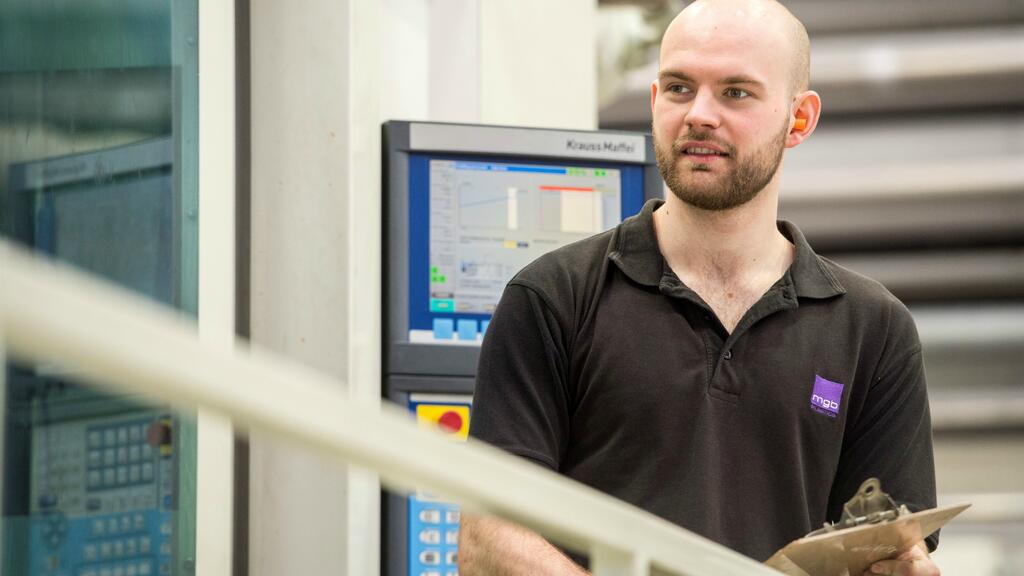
<point x="97" y="484"/>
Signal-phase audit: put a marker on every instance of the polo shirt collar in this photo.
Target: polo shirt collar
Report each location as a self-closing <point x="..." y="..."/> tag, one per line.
<point x="812" y="278"/>
<point x="636" y="253"/>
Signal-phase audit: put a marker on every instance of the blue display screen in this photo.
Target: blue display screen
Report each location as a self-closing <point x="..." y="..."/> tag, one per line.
<point x="474" y="223"/>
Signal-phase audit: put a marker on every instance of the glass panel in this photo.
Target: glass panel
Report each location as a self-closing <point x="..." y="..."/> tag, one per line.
<point x="98" y="168"/>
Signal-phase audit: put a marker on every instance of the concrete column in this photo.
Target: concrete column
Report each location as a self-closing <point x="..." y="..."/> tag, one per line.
<point x="315" y="280"/>
<point x="538" y="63"/>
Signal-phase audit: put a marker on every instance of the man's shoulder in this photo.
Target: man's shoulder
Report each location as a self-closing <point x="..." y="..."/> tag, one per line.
<point x="870" y="298"/>
<point x="858" y="286"/>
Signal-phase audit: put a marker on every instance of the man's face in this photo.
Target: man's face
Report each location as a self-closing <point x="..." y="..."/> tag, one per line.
<point x="721" y="109"/>
<point x="734" y="185"/>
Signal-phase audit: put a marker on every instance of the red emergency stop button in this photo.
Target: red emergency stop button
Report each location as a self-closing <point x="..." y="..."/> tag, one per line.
<point x="450" y="421"/>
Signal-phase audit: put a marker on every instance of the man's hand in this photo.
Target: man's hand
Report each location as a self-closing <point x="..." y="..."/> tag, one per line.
<point x="913" y="562"/>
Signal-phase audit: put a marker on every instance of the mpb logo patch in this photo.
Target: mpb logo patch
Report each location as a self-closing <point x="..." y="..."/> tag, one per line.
<point x="826" y="396"/>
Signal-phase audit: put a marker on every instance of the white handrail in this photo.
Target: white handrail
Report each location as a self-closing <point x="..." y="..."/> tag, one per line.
<point x="117" y="340"/>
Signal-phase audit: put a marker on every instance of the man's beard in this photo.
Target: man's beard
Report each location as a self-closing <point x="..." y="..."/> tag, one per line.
<point x="733" y="189"/>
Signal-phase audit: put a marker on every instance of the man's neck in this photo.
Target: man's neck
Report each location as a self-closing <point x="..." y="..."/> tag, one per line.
<point x="740" y="245"/>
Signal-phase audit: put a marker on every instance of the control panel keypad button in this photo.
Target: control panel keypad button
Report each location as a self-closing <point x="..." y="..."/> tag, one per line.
<point x="430" y="516"/>
<point x="430" y="557"/>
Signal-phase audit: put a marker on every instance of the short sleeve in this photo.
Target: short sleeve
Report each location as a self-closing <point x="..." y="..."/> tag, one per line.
<point x="892" y="437"/>
<point x="520" y="402"/>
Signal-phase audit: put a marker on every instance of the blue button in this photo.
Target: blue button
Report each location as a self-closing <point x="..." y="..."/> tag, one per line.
<point x="467" y="329"/>
<point x="483" y="326"/>
<point x="444" y="328"/>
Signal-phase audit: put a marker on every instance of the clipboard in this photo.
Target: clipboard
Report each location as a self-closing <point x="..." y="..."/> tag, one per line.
<point x="879" y="534"/>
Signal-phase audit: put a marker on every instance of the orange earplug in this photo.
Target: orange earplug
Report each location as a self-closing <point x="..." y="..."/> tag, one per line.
<point x="800" y="124"/>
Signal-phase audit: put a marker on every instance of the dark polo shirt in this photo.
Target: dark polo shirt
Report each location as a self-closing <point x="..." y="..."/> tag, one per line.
<point x="600" y="364"/>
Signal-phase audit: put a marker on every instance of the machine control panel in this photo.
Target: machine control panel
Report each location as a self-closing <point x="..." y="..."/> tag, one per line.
<point x="434" y="524"/>
<point x="102" y="493"/>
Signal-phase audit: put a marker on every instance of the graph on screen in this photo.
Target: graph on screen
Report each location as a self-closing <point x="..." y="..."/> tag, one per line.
<point x="489" y="219"/>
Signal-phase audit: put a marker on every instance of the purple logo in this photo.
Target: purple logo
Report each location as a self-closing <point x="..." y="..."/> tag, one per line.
<point x="826" y="396"/>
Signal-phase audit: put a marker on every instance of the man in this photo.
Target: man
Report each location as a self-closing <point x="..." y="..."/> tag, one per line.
<point x="700" y="361"/>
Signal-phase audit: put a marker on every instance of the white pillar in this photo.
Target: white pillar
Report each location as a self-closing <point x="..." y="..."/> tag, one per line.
<point x="538" y="63"/>
<point x="216" y="281"/>
<point x="525" y="63"/>
<point x="315" y="280"/>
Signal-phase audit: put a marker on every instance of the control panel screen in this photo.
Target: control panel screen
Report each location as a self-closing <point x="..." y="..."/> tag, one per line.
<point x="475" y="223"/>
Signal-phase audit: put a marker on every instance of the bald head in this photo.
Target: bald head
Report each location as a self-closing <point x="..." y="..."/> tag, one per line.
<point x="777" y="28"/>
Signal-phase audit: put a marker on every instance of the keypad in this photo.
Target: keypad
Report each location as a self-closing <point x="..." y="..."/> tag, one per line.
<point x="435" y="538"/>
<point x="107" y="507"/>
<point x="118" y="456"/>
<point x="122" y="545"/>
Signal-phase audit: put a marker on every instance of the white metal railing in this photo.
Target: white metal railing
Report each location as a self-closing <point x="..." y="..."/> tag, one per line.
<point x="120" y="341"/>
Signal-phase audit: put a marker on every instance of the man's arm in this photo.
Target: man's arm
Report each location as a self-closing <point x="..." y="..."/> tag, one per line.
<point x="889" y="435"/>
<point x="490" y="546"/>
<point x="521" y="405"/>
<point x="892" y="441"/>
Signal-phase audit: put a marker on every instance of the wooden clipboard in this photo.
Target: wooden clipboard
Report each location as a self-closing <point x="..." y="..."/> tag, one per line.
<point x="851" y="551"/>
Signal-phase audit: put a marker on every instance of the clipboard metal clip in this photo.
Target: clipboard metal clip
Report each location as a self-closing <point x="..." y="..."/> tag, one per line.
<point x="868" y="506"/>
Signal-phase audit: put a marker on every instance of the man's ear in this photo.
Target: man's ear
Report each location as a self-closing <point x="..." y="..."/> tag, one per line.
<point x="803" y="117"/>
<point x="654" y="96"/>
